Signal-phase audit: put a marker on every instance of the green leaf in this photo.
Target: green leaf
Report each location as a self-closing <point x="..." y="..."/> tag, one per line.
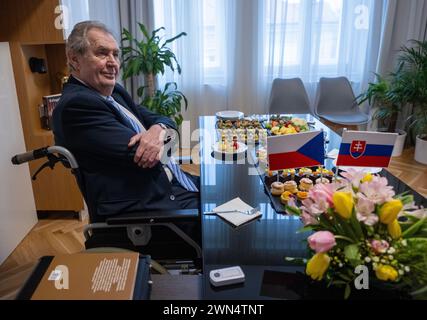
<point x="345" y="228"/>
<point x="339" y="283"/>
<point x="346" y="278"/>
<point x="293" y="210"/>
<point x="179" y="120"/>
<point x="411" y="231"/>
<point x="347" y="292"/>
<point x="305" y="229"/>
<point x="175" y="38"/>
<point x="351" y="252"/>
<point x="140" y="91"/>
<point x="360" y="232"/>
<point x="296" y="261"/>
<point x="144" y="30"/>
<point x="149" y="67"/>
<point x="153" y="34"/>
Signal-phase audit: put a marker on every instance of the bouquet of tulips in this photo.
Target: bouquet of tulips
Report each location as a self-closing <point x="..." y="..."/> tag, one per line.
<point x="359" y="221"/>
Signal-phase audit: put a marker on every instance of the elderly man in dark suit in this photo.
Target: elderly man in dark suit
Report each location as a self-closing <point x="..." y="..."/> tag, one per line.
<point x="117" y="144"/>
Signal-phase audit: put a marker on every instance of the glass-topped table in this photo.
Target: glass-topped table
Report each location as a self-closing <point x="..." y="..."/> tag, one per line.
<point x="260" y="246"/>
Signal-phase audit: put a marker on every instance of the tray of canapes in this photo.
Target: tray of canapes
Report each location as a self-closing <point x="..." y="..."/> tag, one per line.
<point x="293" y="184"/>
<point x="282" y="125"/>
<point x="247" y="131"/>
<point x="246" y="123"/>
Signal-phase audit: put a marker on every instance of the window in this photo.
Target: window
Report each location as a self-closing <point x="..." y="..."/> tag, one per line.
<point x="211" y="35"/>
<point x="314" y="38"/>
<point x="298" y="38"/>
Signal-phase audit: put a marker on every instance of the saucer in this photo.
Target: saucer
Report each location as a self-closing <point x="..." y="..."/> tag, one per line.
<point x="229" y="115"/>
<point x="242" y="148"/>
<point x="239" y="154"/>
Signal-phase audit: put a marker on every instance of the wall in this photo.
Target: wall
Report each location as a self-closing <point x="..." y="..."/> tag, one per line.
<point x="17" y="208"/>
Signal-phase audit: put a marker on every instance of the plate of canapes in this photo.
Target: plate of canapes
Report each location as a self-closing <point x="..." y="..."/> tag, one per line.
<point x="229" y="150"/>
<point x="294" y="184"/>
<point x="286" y="125"/>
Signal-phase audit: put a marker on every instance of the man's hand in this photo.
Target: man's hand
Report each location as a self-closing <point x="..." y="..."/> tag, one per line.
<point x="150" y="149"/>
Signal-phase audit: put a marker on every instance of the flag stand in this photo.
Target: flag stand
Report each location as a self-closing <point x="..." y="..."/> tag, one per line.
<point x="336" y="174"/>
<point x="324" y="157"/>
<point x="336" y="166"/>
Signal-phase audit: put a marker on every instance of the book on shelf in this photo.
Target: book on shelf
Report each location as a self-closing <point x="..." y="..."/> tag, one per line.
<point x="46" y="110"/>
<point x="89" y="276"/>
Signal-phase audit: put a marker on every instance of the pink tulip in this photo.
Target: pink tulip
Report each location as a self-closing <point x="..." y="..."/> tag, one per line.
<point x="322" y="241"/>
<point x="323" y="192"/>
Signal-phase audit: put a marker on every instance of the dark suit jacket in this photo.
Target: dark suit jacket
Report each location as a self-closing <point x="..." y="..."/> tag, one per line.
<point x="98" y="136"/>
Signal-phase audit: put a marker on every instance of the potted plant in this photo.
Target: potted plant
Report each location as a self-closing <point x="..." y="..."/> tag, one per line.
<point x="411" y="84"/>
<point x="149" y="57"/>
<point x="387" y="106"/>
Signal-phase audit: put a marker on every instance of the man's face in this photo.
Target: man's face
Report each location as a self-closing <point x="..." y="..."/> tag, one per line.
<point x="99" y="65"/>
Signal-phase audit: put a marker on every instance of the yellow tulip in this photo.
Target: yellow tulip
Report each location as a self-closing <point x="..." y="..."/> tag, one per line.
<point x="394" y="229"/>
<point x="390" y="210"/>
<point x="317" y="266"/>
<point x="343" y="203"/>
<point x="367" y="178"/>
<point x="386" y="273"/>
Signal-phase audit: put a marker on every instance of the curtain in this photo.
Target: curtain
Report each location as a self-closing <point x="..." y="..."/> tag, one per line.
<point x="404" y="20"/>
<point x="130" y="13"/>
<point x="379" y="63"/>
<point x="235" y="48"/>
<point x="105" y="11"/>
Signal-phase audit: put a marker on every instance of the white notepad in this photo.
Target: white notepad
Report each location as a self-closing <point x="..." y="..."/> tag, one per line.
<point x="236" y="218"/>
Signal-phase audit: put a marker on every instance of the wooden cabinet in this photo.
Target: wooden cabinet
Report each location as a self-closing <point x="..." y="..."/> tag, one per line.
<point x="29" y="21"/>
<point x="29" y="27"/>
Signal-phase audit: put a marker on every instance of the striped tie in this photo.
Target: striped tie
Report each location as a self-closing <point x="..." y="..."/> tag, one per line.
<point x="137" y="126"/>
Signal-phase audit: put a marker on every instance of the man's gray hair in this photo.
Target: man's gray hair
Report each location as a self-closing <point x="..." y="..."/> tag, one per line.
<point x="77" y="41"/>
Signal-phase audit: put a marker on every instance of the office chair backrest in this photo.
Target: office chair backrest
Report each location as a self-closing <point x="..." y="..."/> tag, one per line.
<point x="288" y="96"/>
<point x="335" y="96"/>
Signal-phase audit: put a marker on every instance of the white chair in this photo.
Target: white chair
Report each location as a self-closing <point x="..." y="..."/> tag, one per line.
<point x="335" y="102"/>
<point x="288" y="96"/>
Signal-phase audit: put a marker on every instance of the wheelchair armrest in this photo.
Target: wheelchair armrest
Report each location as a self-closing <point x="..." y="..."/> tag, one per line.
<point x="152" y="217"/>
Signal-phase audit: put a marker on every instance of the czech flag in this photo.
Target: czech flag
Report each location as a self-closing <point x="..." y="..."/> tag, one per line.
<point x="366" y="149"/>
<point x="296" y="150"/>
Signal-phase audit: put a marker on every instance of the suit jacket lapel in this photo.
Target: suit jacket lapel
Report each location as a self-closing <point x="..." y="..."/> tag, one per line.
<point x="118" y="97"/>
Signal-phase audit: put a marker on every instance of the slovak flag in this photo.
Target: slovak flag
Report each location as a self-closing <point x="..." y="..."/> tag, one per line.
<point x="296" y="150"/>
<point x="366" y="149"/>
